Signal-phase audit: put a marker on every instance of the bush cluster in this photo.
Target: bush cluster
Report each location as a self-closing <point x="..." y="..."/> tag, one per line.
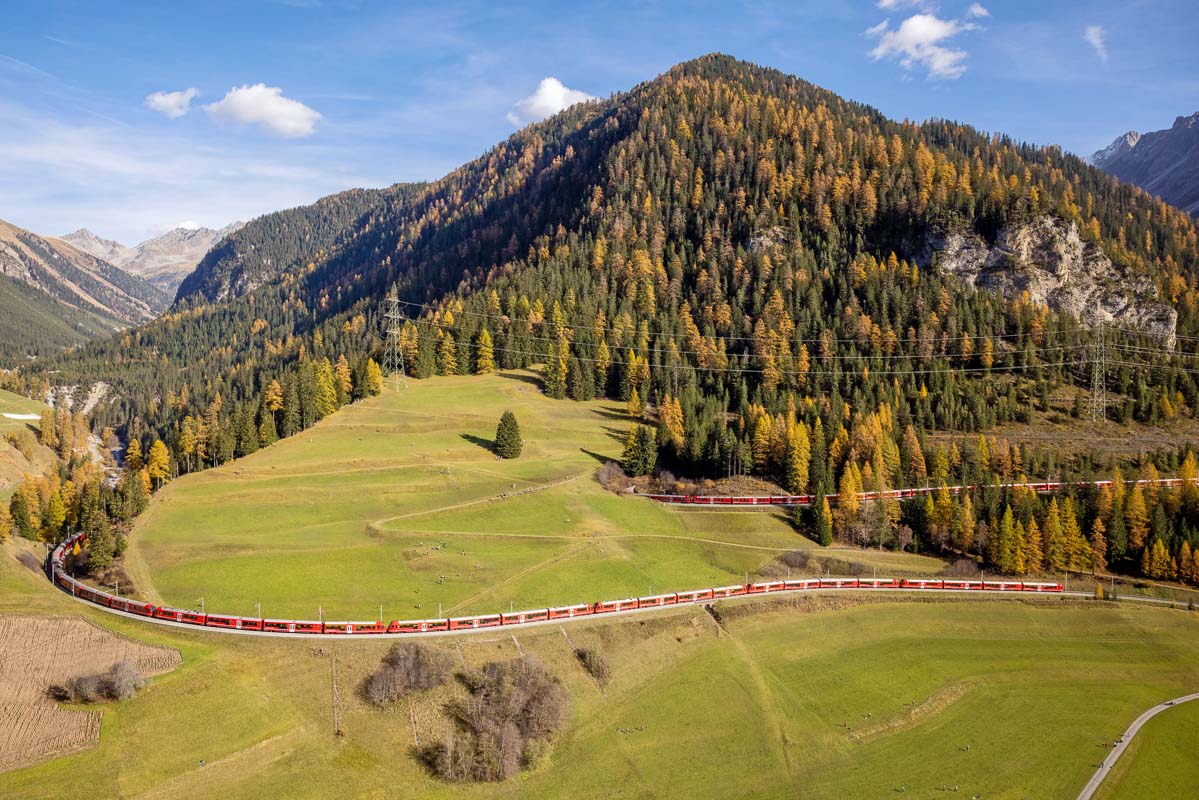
<point x="505" y="722"/>
<point x="594" y="662"/>
<point x="408" y="667"/>
<point x="120" y="682"/>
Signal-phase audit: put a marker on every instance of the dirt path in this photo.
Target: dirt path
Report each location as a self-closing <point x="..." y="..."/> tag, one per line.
<point x="1122" y="743"/>
<point x="36" y="652"/>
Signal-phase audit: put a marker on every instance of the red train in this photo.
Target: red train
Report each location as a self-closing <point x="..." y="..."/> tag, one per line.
<point x="283" y="626"/>
<point x="1043" y="487"/>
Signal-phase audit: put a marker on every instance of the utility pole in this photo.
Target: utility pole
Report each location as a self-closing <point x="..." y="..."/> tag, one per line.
<point x="259" y="607"/>
<point x="201" y="604"/>
<point x="395" y="353"/>
<point x="1099" y="377"/>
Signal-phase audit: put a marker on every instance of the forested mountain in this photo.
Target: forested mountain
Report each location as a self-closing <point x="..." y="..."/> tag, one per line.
<point x="1164" y="163"/>
<point x="163" y="261"/>
<point x="53" y="296"/>
<point x="277" y="243"/>
<point x="750" y="255"/>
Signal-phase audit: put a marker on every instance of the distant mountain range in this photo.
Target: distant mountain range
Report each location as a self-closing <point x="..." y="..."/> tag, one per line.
<point x="53" y="295"/>
<point x="1164" y="163"/>
<point x="163" y="261"/>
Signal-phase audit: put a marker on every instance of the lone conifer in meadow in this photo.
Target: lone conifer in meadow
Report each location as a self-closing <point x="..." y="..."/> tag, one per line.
<point x="507" y="437"/>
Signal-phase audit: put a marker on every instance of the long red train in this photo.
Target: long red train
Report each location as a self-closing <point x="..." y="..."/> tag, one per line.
<point x="1044" y="487"/>
<point x="228" y="622"/>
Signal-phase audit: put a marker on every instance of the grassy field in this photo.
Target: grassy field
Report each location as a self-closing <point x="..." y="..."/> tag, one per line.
<point x="1157" y="763"/>
<point x="14" y="465"/>
<point x="396" y="501"/>
<point x="1003" y="699"/>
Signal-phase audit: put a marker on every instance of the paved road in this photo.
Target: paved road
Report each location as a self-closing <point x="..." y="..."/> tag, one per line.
<point x="1123" y="742"/>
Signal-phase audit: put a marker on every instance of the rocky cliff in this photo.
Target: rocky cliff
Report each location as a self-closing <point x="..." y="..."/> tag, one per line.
<point x="1048" y="259"/>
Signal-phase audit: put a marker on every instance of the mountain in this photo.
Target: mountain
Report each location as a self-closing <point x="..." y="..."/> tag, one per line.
<point x="53" y="295"/>
<point x="268" y="246"/>
<point x="163" y="261"/>
<point x="1164" y="163"/>
<point x="726" y="242"/>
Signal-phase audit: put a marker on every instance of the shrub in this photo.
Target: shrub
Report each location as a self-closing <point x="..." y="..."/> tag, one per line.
<point x="595" y="664"/>
<point x="506" y="721"/>
<point x="408" y="667"/>
<point x="797" y="559"/>
<point x="508" y="443"/>
<point x="121" y="682"/>
<point x="611" y="476"/>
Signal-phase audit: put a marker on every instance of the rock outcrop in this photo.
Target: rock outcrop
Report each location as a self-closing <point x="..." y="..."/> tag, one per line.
<point x="1048" y="259"/>
<point x="1164" y="163"/>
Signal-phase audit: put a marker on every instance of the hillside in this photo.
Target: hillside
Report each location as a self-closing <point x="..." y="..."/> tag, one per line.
<point x="1164" y="163"/>
<point x="164" y="260"/>
<point x="754" y="249"/>
<point x="53" y="296"/>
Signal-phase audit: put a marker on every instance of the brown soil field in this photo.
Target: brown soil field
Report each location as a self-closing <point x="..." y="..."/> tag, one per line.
<point x="36" y="652"/>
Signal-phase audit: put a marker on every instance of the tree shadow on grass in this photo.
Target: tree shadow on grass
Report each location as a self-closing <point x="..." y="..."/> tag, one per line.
<point x="600" y="458"/>
<point x="612" y="413"/>
<point x="486" y="444"/>
<point x="523" y="377"/>
<point x="616" y="433"/>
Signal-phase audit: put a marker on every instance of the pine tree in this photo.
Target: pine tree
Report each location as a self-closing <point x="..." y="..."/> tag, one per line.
<point x="6" y="523"/>
<point x="53" y="518"/>
<point x="484" y="353"/>
<point x="326" y="389"/>
<point x="799" y="454"/>
<point x="1078" y="552"/>
<point x="343" y="383"/>
<point x="508" y="443"/>
<point x="272" y="396"/>
<point x="635" y="408"/>
<point x="1099" y="546"/>
<point x="640" y="451"/>
<point x="158" y="464"/>
<point x="133" y="455"/>
<point x="1136" y="517"/>
<point x="848" y="501"/>
<point x="47" y="432"/>
<point x="824" y="522"/>
<point x="447" y="355"/>
<point x="557" y="364"/>
<point x="1057" y="554"/>
<point x="23" y="511"/>
<point x="1034" y="559"/>
<point x="374" y="377"/>
<point x="603" y="361"/>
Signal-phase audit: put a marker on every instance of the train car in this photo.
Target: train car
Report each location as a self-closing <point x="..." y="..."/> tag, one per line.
<point x="233" y="623"/>
<point x="729" y="591"/>
<point x="921" y="583"/>
<point x="418" y="626"/>
<point x="373" y="626"/>
<point x="520" y="617"/>
<point x="761" y="588"/>
<point x="470" y="623"/>
<point x="292" y="626"/>
<point x="657" y="601"/>
<point x="130" y="606"/>
<point x="801" y="583"/>
<point x="963" y="585"/>
<point x="695" y="596"/>
<point x="1042" y="587"/>
<point x="568" y="612"/>
<point x="1003" y="586"/>
<point x="608" y="606"/>
<point x="838" y="583"/>
<point x="878" y="583"/>
<point x="179" y="615"/>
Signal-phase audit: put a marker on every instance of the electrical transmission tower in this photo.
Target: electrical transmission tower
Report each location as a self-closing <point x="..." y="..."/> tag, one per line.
<point x="1099" y="377"/>
<point x="395" y="352"/>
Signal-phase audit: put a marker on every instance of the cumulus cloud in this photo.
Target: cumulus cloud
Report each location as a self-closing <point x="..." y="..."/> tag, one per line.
<point x="550" y="98"/>
<point x="171" y="104"/>
<point x="921" y="40"/>
<point x="1097" y="39"/>
<point x="266" y="106"/>
<point x="976" y="11"/>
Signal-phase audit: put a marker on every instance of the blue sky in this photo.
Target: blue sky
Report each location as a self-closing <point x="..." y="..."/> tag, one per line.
<point x="296" y="99"/>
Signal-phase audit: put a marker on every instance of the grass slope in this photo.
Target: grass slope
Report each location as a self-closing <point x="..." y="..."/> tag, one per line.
<point x="756" y="710"/>
<point x="393" y="501"/>
<point x="13" y="464"/>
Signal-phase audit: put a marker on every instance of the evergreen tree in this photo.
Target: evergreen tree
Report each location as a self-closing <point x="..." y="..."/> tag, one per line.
<point x="508" y="443"/>
<point x="824" y="522"/>
<point x="1099" y="546"/>
<point x="133" y="455"/>
<point x="640" y="451"/>
<point x="6" y="523"/>
<point x="53" y="518"/>
<point x="799" y="453"/>
<point x="374" y="377"/>
<point x="484" y="353"/>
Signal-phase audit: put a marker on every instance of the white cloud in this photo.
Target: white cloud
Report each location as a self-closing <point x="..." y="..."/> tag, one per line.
<point x="920" y="40"/>
<point x="1097" y="39"/>
<point x="550" y="98"/>
<point x="171" y="104"/>
<point x="976" y="11"/>
<point x="266" y="106"/>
